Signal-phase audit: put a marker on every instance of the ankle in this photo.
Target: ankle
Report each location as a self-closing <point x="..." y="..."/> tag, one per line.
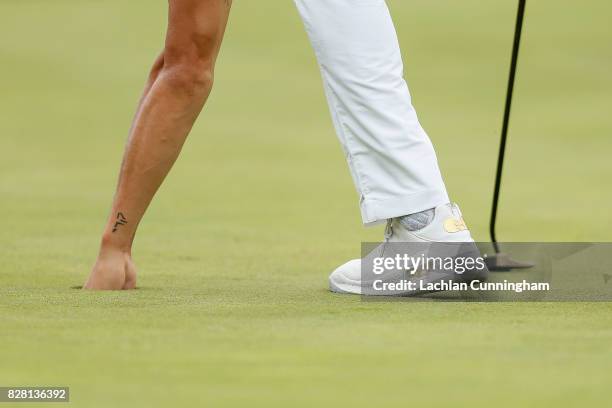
<point x="418" y="221"/>
<point x="111" y="242"/>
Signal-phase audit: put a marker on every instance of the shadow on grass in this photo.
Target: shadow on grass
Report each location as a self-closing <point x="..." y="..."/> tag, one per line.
<point x="143" y="288"/>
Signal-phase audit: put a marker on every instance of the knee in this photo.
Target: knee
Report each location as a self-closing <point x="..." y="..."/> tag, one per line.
<point x="190" y="78"/>
<point x="190" y="66"/>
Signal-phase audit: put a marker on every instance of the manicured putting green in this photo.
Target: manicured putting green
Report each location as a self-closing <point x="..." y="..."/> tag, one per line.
<point x="234" y="254"/>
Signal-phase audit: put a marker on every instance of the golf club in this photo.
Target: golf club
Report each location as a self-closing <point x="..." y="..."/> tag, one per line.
<point x="500" y="261"/>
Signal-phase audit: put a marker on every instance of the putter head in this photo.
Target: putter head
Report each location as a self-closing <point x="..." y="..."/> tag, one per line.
<point x="501" y="262"/>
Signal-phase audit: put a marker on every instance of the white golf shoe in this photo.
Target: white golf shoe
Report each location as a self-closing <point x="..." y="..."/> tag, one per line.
<point x="447" y="226"/>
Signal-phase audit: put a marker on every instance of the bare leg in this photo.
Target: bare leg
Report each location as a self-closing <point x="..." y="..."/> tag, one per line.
<point x="178" y="87"/>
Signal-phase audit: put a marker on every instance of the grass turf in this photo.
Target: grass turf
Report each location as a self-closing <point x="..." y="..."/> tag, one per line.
<point x="235" y="251"/>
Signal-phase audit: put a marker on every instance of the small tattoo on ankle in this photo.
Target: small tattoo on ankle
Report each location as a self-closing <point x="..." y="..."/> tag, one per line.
<point x="121" y="220"/>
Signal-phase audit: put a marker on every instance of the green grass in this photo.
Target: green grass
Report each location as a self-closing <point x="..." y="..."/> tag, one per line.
<point x="235" y="251"/>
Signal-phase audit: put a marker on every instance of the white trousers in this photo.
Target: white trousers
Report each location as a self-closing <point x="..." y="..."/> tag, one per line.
<point x="391" y="158"/>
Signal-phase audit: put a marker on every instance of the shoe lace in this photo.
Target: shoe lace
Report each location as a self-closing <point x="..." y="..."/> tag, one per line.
<point x="388" y="235"/>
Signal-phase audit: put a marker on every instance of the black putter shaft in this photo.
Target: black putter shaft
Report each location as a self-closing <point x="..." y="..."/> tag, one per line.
<point x="504" y="132"/>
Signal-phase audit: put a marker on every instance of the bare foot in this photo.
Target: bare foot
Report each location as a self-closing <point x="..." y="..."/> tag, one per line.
<point x="114" y="270"/>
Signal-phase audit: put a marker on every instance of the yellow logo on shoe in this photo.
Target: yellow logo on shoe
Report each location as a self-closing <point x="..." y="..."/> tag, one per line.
<point x="453" y="225"/>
